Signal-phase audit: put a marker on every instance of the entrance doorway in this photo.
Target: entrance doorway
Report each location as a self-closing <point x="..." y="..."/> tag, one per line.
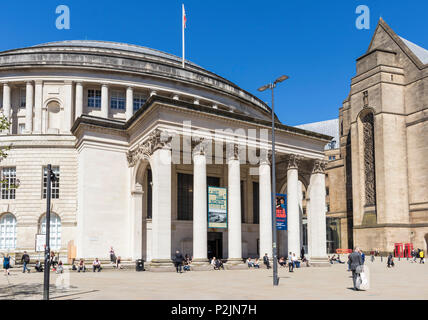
<point x="215" y="245"/>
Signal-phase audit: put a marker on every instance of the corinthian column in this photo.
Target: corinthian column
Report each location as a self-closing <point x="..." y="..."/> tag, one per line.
<point x="79" y="99"/>
<point x="160" y="162"/>
<point x="136" y="221"/>
<point x="293" y="214"/>
<point x="38" y="100"/>
<point x="317" y="237"/>
<point x="200" y="223"/>
<point x="6" y="103"/>
<point x="104" y="101"/>
<point x="265" y="196"/>
<point x="29" y="108"/>
<point x="234" y="210"/>
<point x="129" y="103"/>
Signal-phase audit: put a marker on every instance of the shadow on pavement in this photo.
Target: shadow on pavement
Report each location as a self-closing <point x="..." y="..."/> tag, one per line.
<point x="35" y="290"/>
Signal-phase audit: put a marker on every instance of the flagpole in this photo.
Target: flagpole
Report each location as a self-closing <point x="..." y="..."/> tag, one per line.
<point x="182" y="28"/>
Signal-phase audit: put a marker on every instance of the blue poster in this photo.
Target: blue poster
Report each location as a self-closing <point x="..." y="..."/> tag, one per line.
<point x="281" y="211"/>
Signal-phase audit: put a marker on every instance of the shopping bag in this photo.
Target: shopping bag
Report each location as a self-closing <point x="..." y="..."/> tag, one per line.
<point x="365" y="279"/>
<point x="358" y="281"/>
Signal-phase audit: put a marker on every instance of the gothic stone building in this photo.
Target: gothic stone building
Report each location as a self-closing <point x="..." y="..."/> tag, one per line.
<point x="135" y="139"/>
<point x="383" y="145"/>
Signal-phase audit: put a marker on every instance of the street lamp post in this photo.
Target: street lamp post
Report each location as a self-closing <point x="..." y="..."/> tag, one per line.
<point x="274" y="238"/>
<point x="50" y="176"/>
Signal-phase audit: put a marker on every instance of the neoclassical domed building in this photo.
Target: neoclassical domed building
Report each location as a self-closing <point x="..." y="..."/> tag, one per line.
<point x="135" y="140"/>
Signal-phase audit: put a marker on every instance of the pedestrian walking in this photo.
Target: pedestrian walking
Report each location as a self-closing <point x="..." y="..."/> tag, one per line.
<point x="390" y="262"/>
<point x="6" y="264"/>
<point x="112" y="255"/>
<point x="363" y="256"/>
<point x="53" y="260"/>
<point x="178" y="260"/>
<point x="422" y="256"/>
<point x="266" y="261"/>
<point x="26" y="260"/>
<point x="355" y="263"/>
<point x="290" y="262"/>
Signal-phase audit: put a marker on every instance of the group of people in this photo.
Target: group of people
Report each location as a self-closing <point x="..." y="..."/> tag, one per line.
<point x="81" y="267"/>
<point x="182" y="262"/>
<point x="116" y="261"/>
<point x="418" y="254"/>
<point x="335" y="259"/>
<point x="253" y="264"/>
<point x="217" y="263"/>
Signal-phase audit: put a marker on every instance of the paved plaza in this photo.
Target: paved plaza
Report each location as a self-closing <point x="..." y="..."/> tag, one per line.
<point x="406" y="281"/>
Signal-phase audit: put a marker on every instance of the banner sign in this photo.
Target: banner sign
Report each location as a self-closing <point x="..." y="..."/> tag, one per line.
<point x="281" y="211"/>
<point x="217" y="207"/>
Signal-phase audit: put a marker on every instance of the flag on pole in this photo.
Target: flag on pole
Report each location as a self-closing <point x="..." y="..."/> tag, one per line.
<point x="184" y="27"/>
<point x="184" y="18"/>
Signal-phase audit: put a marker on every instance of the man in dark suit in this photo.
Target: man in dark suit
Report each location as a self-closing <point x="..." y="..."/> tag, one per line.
<point x="266" y="260"/>
<point x="178" y="260"/>
<point x="355" y="260"/>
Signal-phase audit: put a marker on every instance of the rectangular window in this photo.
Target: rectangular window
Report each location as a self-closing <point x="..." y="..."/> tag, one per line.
<point x="55" y="184"/>
<point x="256" y="204"/>
<point x="117" y="100"/>
<point x="184" y="196"/>
<point x="213" y="182"/>
<point x="21" y="128"/>
<point x="94" y="98"/>
<point x="139" y="100"/>
<point x="22" y="97"/>
<point x="8" y="185"/>
<point x="327" y="191"/>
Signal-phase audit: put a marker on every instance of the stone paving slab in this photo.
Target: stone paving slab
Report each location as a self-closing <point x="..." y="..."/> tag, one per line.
<point x="406" y="281"/>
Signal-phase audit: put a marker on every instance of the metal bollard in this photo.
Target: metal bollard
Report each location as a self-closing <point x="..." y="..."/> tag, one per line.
<point x="399" y="258"/>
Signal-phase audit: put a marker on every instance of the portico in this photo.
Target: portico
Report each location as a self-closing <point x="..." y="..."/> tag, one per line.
<point x="163" y="179"/>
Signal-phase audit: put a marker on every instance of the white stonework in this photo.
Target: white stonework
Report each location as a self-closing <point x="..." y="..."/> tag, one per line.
<point x="118" y="179"/>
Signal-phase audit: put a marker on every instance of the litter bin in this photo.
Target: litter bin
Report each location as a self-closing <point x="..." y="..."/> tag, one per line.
<point x="139" y="265"/>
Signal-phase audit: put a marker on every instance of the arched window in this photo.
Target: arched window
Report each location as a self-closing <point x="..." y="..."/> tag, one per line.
<point x="8" y="231"/>
<point x="55" y="231"/>
<point x="369" y="158"/>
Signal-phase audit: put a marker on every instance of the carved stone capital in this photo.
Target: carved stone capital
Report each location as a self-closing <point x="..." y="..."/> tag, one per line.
<point x="293" y="162"/>
<point x="199" y="145"/>
<point x="232" y="151"/>
<point x="265" y="157"/>
<point x="319" y="166"/>
<point x="158" y="139"/>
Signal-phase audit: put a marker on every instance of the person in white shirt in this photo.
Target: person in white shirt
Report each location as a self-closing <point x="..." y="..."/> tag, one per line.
<point x="96" y="265"/>
<point x="294" y="259"/>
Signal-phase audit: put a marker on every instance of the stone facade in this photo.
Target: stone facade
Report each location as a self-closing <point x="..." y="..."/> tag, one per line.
<point x="122" y="123"/>
<point x="383" y="150"/>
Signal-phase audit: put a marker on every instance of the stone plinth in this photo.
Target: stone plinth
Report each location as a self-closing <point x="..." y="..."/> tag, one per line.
<point x="235" y="264"/>
<point x="319" y="262"/>
<point x="164" y="265"/>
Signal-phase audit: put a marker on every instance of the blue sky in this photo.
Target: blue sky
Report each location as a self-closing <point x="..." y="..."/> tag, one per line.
<point x="248" y="42"/>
